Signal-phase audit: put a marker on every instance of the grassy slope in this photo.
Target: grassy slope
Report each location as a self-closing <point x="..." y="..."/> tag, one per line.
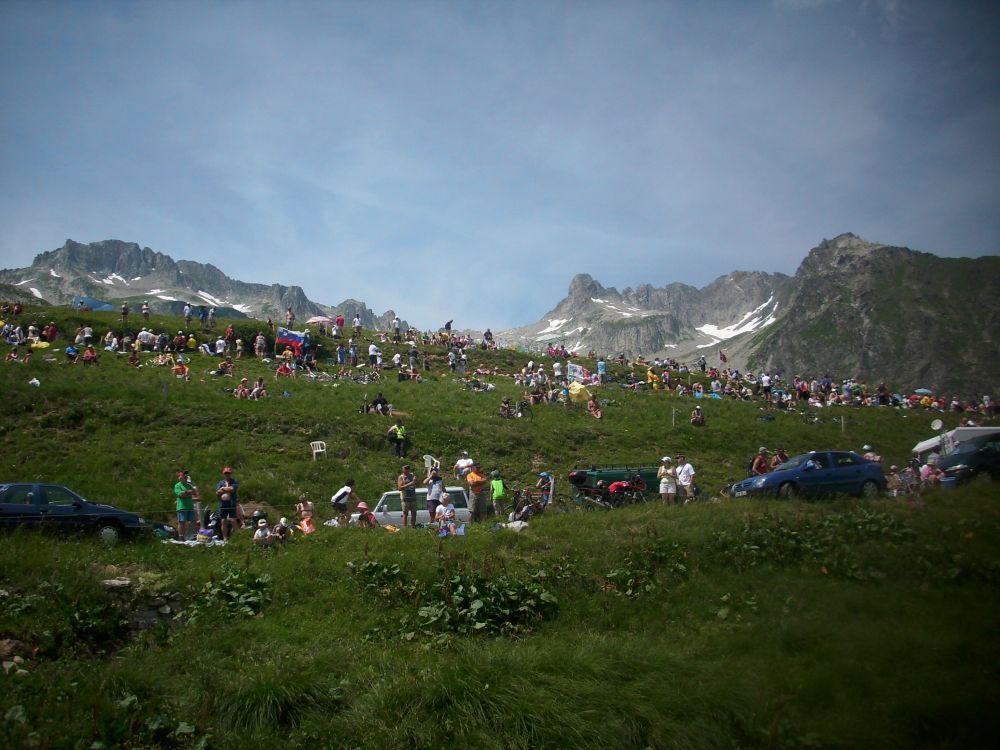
<point x="781" y="625"/>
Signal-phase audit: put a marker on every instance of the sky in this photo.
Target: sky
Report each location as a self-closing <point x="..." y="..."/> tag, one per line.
<point x="463" y="160"/>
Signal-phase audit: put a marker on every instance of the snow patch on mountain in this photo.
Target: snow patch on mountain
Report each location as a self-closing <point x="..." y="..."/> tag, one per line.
<point x="168" y="299"/>
<point x="111" y="278"/>
<point x="245" y="309"/>
<point x="210" y="299"/>
<point x="20" y="283"/>
<point x="154" y="291"/>
<point x="752" y="321"/>
<point x="35" y="292"/>
<point x="52" y="272"/>
<point x="554" y="325"/>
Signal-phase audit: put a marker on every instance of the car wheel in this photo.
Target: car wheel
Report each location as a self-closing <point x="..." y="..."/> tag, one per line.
<point x="108" y="533"/>
<point x="869" y="489"/>
<point x="788" y="491"/>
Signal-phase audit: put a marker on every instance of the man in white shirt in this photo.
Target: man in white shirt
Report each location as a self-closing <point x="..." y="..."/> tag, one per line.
<point x="685" y="478"/>
<point x="463" y="465"/>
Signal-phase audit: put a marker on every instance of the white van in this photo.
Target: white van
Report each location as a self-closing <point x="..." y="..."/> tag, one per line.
<point x="389" y="508"/>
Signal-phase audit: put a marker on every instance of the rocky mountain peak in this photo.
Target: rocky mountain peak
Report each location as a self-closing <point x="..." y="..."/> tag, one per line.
<point x="583" y="287"/>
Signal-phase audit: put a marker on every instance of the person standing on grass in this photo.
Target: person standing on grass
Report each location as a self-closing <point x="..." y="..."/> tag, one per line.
<point x="341" y="501"/>
<point x="397" y="436"/>
<point x="184" y="494"/>
<point x="463" y="465"/>
<point x="406" y="483"/>
<point x="435" y="489"/>
<point x="668" y="481"/>
<point x="498" y="493"/>
<point x="226" y="491"/>
<point x="685" y="478"/>
<point x="760" y="465"/>
<point x="479" y="492"/>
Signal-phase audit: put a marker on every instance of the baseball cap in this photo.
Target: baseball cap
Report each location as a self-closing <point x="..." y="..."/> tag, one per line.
<point x="666" y="460"/>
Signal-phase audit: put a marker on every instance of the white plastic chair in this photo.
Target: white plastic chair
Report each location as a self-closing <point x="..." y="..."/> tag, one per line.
<point x="431" y="462"/>
<point x="318" y="448"/>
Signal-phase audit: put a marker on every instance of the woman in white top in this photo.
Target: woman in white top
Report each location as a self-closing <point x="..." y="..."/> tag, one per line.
<point x="668" y="480"/>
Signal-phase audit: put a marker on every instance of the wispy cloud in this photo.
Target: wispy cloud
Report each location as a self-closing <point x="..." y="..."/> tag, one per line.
<point x="464" y="161"/>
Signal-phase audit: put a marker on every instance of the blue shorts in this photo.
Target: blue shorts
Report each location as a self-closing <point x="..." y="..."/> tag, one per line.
<point x="185" y="516"/>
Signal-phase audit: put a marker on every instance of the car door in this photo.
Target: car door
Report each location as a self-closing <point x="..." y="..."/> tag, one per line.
<point x="846" y="474"/>
<point x="19" y="505"/>
<point x="815" y="479"/>
<point x="390" y="509"/>
<point x="64" y="510"/>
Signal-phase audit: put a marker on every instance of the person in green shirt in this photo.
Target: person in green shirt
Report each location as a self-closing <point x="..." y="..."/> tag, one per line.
<point x="184" y="494"/>
<point x="498" y="492"/>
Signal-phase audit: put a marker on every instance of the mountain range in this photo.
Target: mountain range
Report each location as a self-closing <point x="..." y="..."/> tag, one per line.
<point x="116" y="271"/>
<point x="853" y="309"/>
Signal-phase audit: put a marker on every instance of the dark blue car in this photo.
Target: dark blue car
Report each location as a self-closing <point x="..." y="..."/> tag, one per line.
<point x="816" y="474"/>
<point x="53" y="507"/>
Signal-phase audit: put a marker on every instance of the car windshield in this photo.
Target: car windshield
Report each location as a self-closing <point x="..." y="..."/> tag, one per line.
<point x="795" y="461"/>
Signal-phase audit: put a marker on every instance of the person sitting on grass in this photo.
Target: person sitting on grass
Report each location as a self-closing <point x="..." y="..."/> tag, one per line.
<point x="284" y="371"/>
<point x="895" y="485"/>
<point x="263" y="536"/>
<point x="181" y="371"/>
<point x="72" y="354"/>
<point x="225" y="368"/>
<point x="697" y="418"/>
<point x="89" y="356"/>
<point x="259" y="390"/>
<point x="242" y="390"/>
<point x="593" y="409"/>
<point x="12" y="356"/>
<point x="366" y="519"/>
<point x="445" y="515"/>
<point x="282" y="532"/>
<point x="506" y="410"/>
<point x="133" y="360"/>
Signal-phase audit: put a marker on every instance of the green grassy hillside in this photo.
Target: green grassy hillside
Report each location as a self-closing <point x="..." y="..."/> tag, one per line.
<point x="722" y="624"/>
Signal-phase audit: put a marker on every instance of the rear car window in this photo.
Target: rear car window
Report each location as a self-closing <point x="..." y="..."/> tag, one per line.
<point x="16" y="494"/>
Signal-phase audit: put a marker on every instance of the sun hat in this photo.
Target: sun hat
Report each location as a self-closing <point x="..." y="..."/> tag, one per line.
<point x="866" y="447"/>
<point x="283" y="521"/>
<point x="762" y="449"/>
<point x="261" y="522"/>
<point x="362" y="505"/>
<point x="666" y="460"/>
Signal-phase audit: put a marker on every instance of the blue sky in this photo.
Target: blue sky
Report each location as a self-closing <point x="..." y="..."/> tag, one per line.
<point x="463" y="160"/>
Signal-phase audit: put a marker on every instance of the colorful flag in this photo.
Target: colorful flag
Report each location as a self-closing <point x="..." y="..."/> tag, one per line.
<point x="295" y="339"/>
